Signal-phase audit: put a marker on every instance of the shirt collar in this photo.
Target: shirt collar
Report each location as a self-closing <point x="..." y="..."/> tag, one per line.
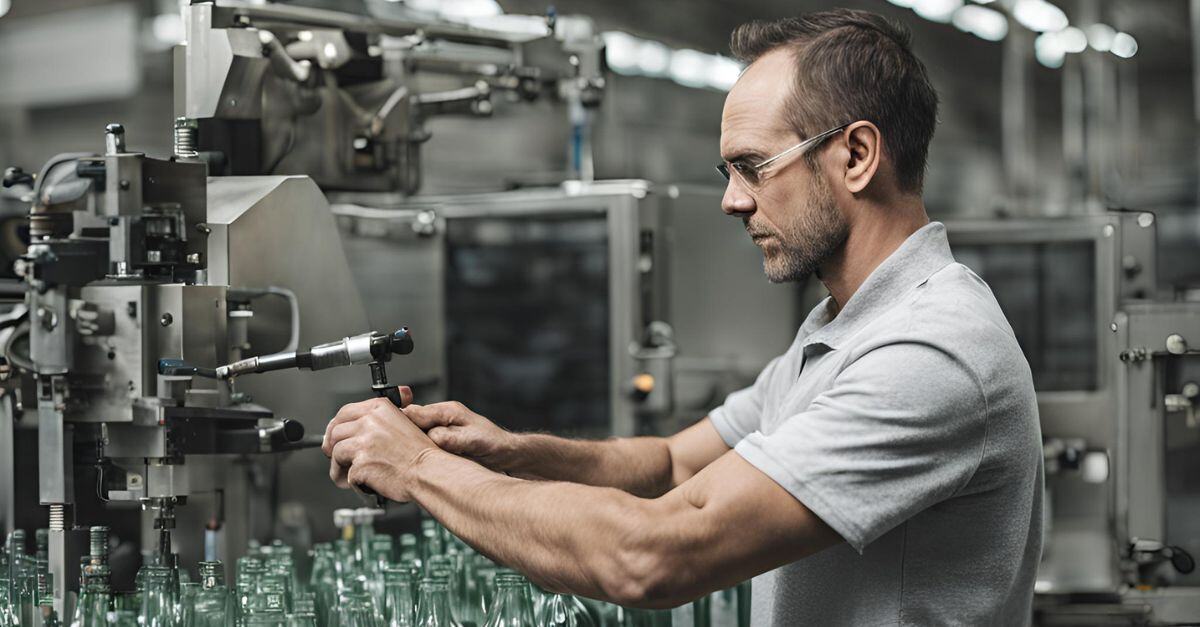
<point x="920" y="256"/>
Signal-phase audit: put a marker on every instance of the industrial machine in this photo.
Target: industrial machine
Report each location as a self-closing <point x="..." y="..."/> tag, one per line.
<point x="1116" y="385"/>
<point x="152" y="287"/>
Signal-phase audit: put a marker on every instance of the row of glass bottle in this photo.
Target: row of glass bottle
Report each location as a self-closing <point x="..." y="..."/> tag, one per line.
<point x="363" y="578"/>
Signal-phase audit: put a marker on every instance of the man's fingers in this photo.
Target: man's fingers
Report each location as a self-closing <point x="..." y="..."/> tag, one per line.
<point x="337" y="474"/>
<point x="343" y="452"/>
<point x="444" y="437"/>
<point x="342" y="431"/>
<point x="436" y="415"/>
<point x="348" y="412"/>
<point x="406" y="395"/>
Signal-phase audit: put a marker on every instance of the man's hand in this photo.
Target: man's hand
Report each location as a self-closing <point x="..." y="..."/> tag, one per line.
<point x="456" y="429"/>
<point x="373" y="444"/>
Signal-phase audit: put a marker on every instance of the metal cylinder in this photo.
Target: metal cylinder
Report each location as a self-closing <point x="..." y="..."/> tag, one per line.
<point x="98" y="544"/>
<point x="186" y="138"/>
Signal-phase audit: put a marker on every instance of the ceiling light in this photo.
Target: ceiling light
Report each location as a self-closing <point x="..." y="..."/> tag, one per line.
<point x="621" y="52"/>
<point x="937" y="10"/>
<point x="1124" y="45"/>
<point x="723" y="73"/>
<point x="5" y="5"/>
<point x="982" y="22"/>
<point x="903" y="3"/>
<point x="690" y="68"/>
<point x="1100" y="37"/>
<point x="654" y="58"/>
<point x="1072" y="40"/>
<point x="1039" y="15"/>
<point x="1049" y="50"/>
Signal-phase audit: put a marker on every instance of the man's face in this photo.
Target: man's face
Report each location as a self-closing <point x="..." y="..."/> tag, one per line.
<point x="791" y="213"/>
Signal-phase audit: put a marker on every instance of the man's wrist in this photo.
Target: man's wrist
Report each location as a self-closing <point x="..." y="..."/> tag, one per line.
<point x="512" y="452"/>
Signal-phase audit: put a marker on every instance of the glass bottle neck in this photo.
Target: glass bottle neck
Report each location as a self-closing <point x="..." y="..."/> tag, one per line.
<point x="433" y="606"/>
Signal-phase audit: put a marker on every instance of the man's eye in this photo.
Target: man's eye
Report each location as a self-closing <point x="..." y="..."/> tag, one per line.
<point x="746" y="170"/>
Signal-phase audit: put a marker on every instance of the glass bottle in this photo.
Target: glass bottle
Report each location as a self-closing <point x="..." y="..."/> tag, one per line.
<point x="433" y="604"/>
<point x="123" y="618"/>
<point x="187" y="602"/>
<point x="561" y="610"/>
<point x="96" y="599"/>
<point x="302" y="619"/>
<point x="249" y="570"/>
<point x="322" y="580"/>
<point x="47" y="615"/>
<point x="410" y="552"/>
<point x="157" y="609"/>
<point x="42" y="559"/>
<point x="128" y="602"/>
<point x="275" y="586"/>
<point x="512" y="605"/>
<point x="7" y="617"/>
<point x="356" y="608"/>
<point x="398" y="607"/>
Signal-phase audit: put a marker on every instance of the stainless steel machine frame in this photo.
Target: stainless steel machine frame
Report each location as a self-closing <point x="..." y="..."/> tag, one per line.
<point x="635" y="274"/>
<point x="1097" y="534"/>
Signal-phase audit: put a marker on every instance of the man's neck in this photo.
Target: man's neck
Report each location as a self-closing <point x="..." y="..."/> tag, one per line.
<point x="871" y="240"/>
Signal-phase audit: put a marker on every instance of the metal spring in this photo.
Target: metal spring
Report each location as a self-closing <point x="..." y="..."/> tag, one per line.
<point x="185" y="138"/>
<point x="58" y="517"/>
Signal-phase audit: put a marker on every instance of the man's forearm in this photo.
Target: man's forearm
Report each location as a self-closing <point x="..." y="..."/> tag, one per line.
<point x="640" y="466"/>
<point x="539" y="527"/>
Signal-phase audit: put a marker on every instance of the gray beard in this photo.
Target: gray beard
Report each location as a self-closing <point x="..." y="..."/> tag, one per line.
<point x="808" y="242"/>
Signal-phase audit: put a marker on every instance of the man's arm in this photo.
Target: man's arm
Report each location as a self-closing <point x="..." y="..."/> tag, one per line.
<point x="645" y="466"/>
<point x="725" y="524"/>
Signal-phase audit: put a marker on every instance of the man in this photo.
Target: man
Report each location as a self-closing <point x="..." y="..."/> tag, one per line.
<point x="886" y="469"/>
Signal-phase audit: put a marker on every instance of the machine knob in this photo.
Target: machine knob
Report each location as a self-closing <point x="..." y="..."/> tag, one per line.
<point x="16" y="176"/>
<point x="114" y="139"/>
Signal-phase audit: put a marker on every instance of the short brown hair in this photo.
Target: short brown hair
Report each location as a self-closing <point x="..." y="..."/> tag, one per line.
<point x="853" y="65"/>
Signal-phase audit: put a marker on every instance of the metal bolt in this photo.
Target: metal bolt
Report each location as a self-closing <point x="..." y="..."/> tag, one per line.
<point x="1191" y="389"/>
<point x="204" y="228"/>
<point x="166" y="320"/>
<point x="48" y="318"/>
<point x="124" y="184"/>
<point x="1113" y="327"/>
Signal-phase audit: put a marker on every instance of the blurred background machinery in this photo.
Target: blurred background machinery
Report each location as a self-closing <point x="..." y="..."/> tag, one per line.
<point x="531" y="194"/>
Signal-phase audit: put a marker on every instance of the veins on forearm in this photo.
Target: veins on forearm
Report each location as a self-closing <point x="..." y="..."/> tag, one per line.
<point x="640" y="466"/>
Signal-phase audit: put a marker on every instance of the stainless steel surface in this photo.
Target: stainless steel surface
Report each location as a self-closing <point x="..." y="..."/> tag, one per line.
<point x="1096" y="510"/>
<point x="629" y="211"/>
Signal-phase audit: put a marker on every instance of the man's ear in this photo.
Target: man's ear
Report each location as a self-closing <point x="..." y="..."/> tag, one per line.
<point x="865" y="145"/>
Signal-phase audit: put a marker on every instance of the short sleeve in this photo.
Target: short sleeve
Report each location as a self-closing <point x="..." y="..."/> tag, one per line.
<point x="901" y="429"/>
<point x="741" y="414"/>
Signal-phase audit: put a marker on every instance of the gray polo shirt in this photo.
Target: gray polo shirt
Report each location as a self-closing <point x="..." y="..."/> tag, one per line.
<point x="908" y="423"/>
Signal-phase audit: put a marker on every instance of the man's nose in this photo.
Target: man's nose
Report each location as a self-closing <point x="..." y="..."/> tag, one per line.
<point x="736" y="202"/>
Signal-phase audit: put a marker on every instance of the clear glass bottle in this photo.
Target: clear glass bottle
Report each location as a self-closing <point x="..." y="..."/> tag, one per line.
<point x="157" y="608"/>
<point x="187" y="602"/>
<point x="95" y="601"/>
<point x="356" y="608"/>
<point x="399" y="609"/>
<point x="249" y="570"/>
<point x="302" y="619"/>
<point x="322" y="581"/>
<point x="512" y="604"/>
<point x="212" y="606"/>
<point x="7" y="617"/>
<point x="123" y="618"/>
<point x="562" y="610"/>
<point x="433" y="604"/>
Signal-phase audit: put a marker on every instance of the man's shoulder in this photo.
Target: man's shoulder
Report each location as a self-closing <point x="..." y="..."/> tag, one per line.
<point x="953" y="311"/>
